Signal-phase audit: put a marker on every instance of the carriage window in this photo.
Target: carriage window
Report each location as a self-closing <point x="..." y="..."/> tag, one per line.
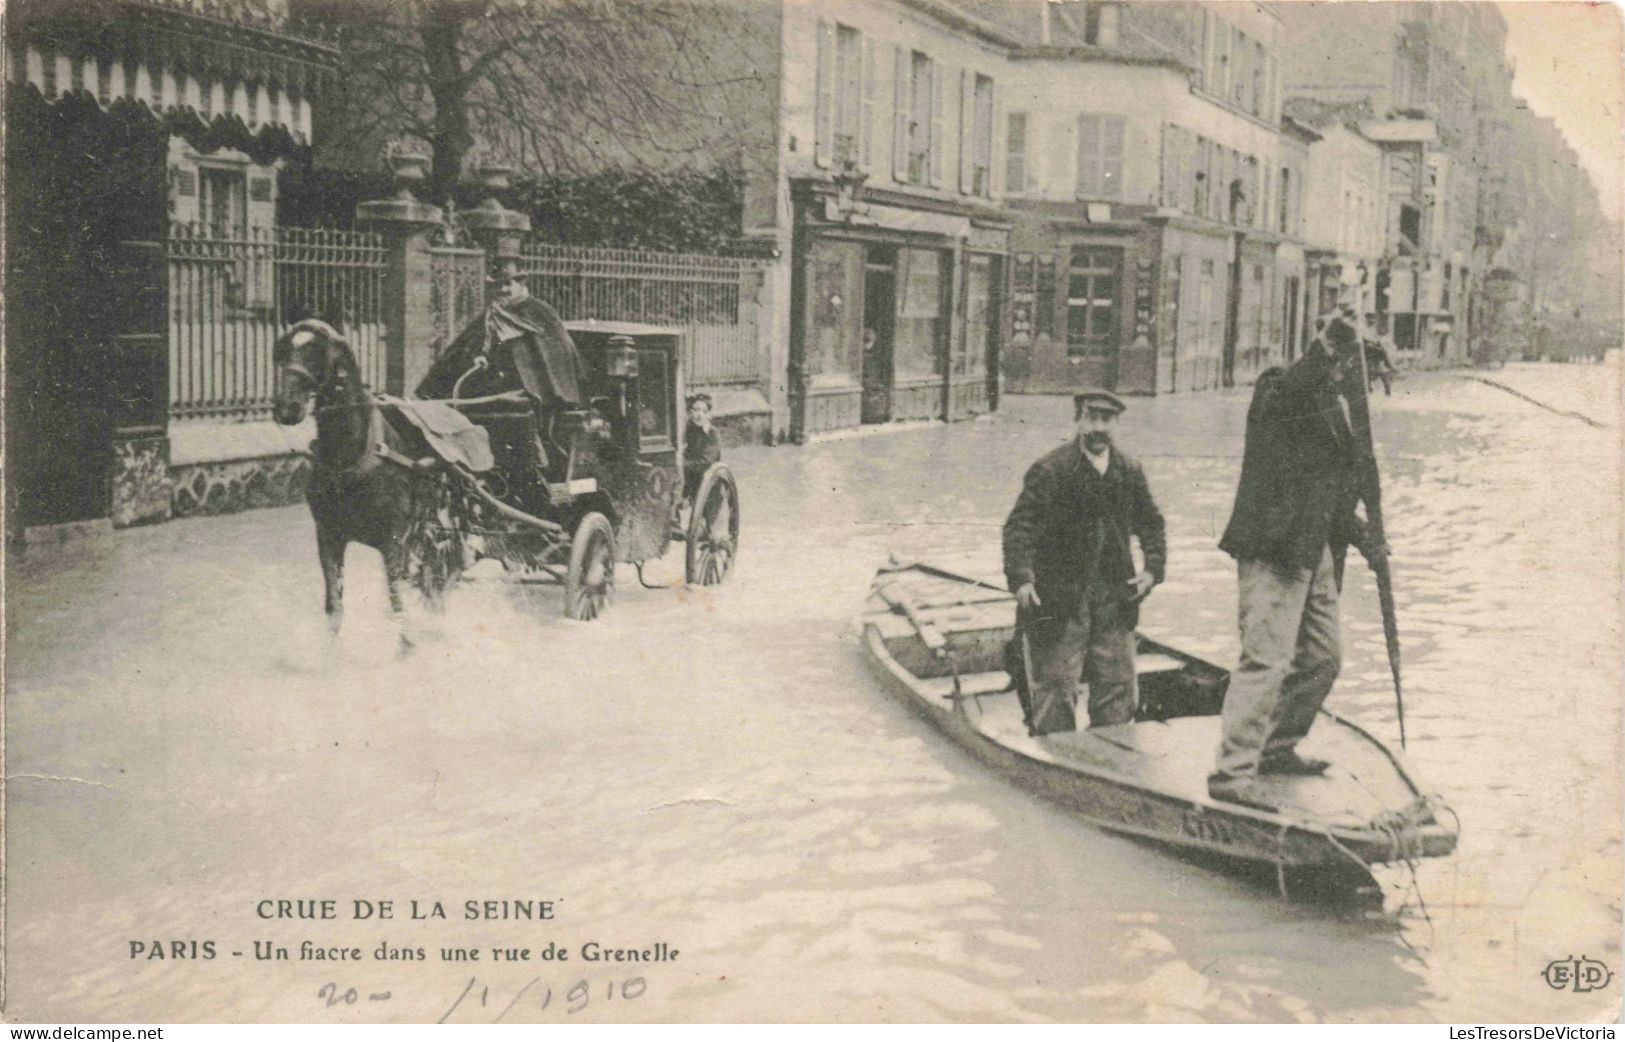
<point x="654" y="418"/>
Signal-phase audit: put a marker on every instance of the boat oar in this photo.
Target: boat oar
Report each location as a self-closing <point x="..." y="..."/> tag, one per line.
<point x="1360" y="419"/>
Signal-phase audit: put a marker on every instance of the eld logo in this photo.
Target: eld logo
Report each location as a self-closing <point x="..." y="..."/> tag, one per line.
<point x="1582" y="974"/>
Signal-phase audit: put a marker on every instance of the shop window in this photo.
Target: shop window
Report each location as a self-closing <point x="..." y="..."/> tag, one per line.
<point x="1091" y="300"/>
<point x="1172" y="279"/>
<point x="971" y="358"/>
<point x="1044" y="316"/>
<point x="919" y="318"/>
<point x="835" y="344"/>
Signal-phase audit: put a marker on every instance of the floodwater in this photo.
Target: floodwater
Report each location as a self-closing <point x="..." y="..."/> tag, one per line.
<point x="719" y="771"/>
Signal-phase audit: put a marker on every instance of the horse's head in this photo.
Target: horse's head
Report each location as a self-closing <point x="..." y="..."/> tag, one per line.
<point x="309" y="357"/>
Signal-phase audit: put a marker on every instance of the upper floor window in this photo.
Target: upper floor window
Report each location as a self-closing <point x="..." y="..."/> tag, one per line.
<point x="842" y="121"/>
<point x="1101" y="22"/>
<point x="922" y="91"/>
<point x="1100" y="156"/>
<point x="848" y="92"/>
<point x="1286" y="202"/>
<point x="981" y="127"/>
<point x="1015" y="153"/>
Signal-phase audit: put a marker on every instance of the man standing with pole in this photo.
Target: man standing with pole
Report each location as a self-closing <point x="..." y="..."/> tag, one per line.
<point x="1302" y="474"/>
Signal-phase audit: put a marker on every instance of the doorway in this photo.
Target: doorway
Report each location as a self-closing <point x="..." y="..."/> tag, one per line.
<point x="879" y="331"/>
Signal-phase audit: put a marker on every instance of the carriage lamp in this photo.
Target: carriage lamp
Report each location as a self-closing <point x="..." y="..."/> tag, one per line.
<point x="621" y="358"/>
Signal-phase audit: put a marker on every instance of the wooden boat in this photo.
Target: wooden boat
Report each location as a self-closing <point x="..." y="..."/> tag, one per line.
<point x="939" y="641"/>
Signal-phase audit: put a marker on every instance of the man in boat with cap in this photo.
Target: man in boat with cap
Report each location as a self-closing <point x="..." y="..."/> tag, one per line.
<point x="1068" y="558"/>
<point x="1293" y="522"/>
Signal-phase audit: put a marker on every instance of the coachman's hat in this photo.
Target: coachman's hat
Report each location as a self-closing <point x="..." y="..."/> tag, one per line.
<point x="1340" y="335"/>
<point x="1094" y="398"/>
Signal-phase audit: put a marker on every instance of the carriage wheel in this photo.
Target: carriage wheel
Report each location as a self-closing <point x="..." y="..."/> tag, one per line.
<point x="590" y="582"/>
<point x="713" y="528"/>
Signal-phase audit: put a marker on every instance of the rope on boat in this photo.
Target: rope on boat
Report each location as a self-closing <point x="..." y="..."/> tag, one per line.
<point x="1392" y="823"/>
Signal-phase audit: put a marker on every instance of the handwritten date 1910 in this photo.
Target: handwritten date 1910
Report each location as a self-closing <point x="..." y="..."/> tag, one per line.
<point x="479" y="996"/>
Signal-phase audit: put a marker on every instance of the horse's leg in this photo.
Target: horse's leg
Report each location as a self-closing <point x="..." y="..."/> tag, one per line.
<point x="394" y="574"/>
<point x="330" y="549"/>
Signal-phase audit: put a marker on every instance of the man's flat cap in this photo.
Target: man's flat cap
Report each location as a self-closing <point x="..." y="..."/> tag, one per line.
<point x="1098" y="399"/>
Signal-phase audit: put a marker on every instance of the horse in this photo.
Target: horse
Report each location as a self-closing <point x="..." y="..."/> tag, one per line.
<point x="365" y="484"/>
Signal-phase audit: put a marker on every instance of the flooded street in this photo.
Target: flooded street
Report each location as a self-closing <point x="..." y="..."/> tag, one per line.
<point x="719" y="771"/>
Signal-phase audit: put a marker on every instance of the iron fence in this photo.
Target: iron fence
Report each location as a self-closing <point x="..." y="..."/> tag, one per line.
<point x="231" y="292"/>
<point x="715" y="300"/>
<point x="456" y="292"/>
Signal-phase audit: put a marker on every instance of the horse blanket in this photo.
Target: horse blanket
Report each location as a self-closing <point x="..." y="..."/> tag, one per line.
<point x="451" y="435"/>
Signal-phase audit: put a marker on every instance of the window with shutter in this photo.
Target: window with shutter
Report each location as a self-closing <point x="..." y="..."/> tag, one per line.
<point x="982" y="138"/>
<point x="902" y="68"/>
<point x="919" y="119"/>
<point x="871" y="104"/>
<point x="848" y="94"/>
<point x="1201" y="178"/>
<point x="1100" y="156"/>
<point x="1208" y="75"/>
<point x="824" y="102"/>
<point x="998" y="146"/>
<point x="1088" y="181"/>
<point x="967" y="130"/>
<point x="939" y="124"/>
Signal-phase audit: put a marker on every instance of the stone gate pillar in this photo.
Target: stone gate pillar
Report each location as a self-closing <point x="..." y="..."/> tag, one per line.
<point x="408" y="228"/>
<point x="497" y="229"/>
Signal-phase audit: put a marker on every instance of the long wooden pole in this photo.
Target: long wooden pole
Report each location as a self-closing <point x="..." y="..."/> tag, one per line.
<point x="1360" y="418"/>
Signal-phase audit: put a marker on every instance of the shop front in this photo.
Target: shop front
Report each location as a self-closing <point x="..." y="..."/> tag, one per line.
<point x="896" y="315"/>
<point x="1074" y="305"/>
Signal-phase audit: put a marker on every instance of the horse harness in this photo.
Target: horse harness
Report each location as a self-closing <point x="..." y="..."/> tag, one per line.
<point x="376" y="454"/>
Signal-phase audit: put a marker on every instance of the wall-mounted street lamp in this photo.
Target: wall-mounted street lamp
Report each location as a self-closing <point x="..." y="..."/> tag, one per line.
<point x="848" y="181"/>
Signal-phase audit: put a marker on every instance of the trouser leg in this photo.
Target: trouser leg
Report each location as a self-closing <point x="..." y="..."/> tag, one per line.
<point x="1316" y="660"/>
<point x="1109" y="666"/>
<point x="1270" y="608"/>
<point x="1057" y="662"/>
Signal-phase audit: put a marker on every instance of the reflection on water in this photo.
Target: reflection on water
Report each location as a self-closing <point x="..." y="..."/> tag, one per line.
<point x="719" y="771"/>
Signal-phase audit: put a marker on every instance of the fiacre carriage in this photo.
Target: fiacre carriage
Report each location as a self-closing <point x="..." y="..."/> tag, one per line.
<point x="556" y="450"/>
<point x="584" y="425"/>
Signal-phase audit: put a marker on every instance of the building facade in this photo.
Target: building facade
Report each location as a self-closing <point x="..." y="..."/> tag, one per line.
<point x="189" y="118"/>
<point x="898" y="244"/>
<point x="1157" y="202"/>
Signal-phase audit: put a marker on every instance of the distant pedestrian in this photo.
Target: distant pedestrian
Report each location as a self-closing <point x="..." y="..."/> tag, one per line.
<point x="1378" y="366"/>
<point x="1068" y="559"/>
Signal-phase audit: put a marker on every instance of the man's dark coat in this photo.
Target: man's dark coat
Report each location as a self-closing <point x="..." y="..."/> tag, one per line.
<point x="1072" y="524"/>
<point x="1301" y="474"/>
